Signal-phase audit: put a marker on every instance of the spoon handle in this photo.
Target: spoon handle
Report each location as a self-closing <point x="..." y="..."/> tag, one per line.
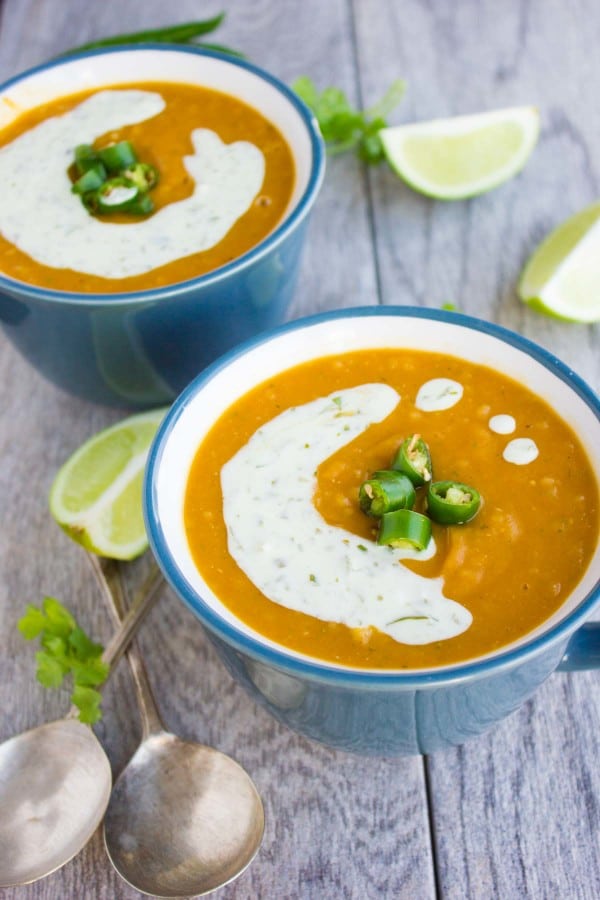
<point x="109" y="579"/>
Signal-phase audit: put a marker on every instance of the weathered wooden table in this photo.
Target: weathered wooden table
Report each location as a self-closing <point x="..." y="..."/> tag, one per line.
<point x="513" y="814"/>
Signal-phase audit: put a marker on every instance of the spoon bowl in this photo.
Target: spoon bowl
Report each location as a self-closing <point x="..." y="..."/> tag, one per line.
<point x="183" y="819"/>
<point x="55" y="782"/>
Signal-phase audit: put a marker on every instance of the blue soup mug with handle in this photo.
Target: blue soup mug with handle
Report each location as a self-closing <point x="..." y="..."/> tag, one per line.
<point x="368" y="711"/>
<point x="141" y="348"/>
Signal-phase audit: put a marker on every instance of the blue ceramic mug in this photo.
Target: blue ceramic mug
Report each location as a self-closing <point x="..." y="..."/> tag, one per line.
<point x="372" y="712"/>
<point x="141" y="348"/>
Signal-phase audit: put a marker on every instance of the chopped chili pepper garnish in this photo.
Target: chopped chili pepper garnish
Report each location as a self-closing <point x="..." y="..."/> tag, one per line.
<point x="413" y="459"/>
<point x="116" y="194"/>
<point x="127" y="188"/>
<point x="386" y="491"/>
<point x="117" y="157"/>
<point x="141" y="206"/>
<point x="91" y="180"/>
<point x="85" y="158"/>
<point x="452" y="503"/>
<point x="143" y="176"/>
<point x="404" y="528"/>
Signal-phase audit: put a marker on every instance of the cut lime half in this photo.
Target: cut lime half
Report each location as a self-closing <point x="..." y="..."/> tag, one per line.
<point x="451" y="159"/>
<point x="96" y="496"/>
<point x="562" y="278"/>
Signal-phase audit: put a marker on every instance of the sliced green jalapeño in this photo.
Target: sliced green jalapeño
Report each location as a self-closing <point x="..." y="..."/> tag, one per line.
<point x="117" y="157"/>
<point x="386" y="491"/>
<point x="116" y="194"/>
<point x="143" y="176"/>
<point x="404" y="529"/>
<point x="91" y="180"/>
<point x="85" y="158"/>
<point x="126" y="190"/>
<point x="413" y="459"/>
<point x="452" y="503"/>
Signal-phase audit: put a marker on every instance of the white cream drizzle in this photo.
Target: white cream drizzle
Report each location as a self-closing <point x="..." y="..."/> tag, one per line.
<point x="295" y="558"/>
<point x="502" y="424"/>
<point x="41" y="216"/>
<point x="438" y="394"/>
<point x="521" y="451"/>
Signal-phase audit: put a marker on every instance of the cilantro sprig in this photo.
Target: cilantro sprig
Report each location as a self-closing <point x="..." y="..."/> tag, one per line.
<point x="345" y="128"/>
<point x="66" y="650"/>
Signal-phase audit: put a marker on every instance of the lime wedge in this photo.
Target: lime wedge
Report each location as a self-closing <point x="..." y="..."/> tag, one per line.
<point x="562" y="278"/>
<point x="96" y="496"/>
<point x="451" y="159"/>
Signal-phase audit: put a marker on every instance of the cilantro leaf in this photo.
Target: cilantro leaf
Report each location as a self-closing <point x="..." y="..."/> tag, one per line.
<point x="66" y="650"/>
<point x="93" y="672"/>
<point x="49" y="671"/>
<point x="390" y="100"/>
<point x="306" y="90"/>
<point x="57" y="648"/>
<point x="59" y="619"/>
<point x="83" y="646"/>
<point x="32" y="623"/>
<point x="345" y="128"/>
<point x="87" y="701"/>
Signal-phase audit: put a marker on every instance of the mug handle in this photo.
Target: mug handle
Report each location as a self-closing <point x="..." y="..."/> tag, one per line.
<point x="583" y="650"/>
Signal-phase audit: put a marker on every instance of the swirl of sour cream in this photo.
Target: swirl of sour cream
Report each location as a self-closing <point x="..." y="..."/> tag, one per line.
<point x="295" y="557"/>
<point x="41" y="216"/>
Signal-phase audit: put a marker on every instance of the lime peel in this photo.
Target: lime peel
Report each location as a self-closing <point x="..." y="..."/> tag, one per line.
<point x="562" y="277"/>
<point x="96" y="496"/>
<point x="89" y="515"/>
<point x="460" y="157"/>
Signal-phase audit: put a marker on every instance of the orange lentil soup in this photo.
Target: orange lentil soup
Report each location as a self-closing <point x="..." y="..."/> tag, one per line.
<point x="512" y="566"/>
<point x="163" y="141"/>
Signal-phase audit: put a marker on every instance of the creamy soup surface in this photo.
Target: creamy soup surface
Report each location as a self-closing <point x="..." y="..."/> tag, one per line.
<point x="273" y="521"/>
<point x="226" y="176"/>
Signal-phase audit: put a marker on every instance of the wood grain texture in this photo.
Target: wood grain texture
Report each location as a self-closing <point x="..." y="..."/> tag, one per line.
<point x="466" y="59"/>
<point x="515" y="813"/>
<point x="337" y="826"/>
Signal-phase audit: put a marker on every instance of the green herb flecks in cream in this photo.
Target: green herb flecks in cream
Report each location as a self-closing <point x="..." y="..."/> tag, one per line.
<point x="42" y="217"/>
<point x="298" y="560"/>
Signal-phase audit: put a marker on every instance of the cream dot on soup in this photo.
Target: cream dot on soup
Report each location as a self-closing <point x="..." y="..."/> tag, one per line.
<point x="438" y="394"/>
<point x="502" y="424"/>
<point x="521" y="451"/>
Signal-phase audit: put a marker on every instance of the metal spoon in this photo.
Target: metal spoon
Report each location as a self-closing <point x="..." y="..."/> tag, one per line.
<point x="183" y="819"/>
<point x="55" y="780"/>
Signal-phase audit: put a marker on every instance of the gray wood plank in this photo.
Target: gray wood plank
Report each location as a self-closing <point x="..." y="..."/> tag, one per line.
<point x="515" y="813"/>
<point x="471" y="253"/>
<point x="337" y="825"/>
